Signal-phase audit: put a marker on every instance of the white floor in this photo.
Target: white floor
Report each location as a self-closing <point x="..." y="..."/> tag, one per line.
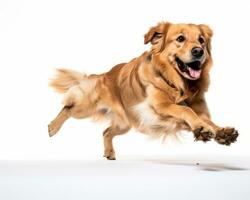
<point x="128" y="178"/>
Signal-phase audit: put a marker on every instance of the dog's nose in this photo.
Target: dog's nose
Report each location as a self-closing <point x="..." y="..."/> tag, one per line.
<point x="197" y="52"/>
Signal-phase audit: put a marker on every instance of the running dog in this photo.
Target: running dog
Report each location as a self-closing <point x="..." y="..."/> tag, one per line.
<point x="158" y="93"/>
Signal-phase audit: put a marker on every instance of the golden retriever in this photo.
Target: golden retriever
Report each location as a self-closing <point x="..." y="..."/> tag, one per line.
<point x="160" y="92"/>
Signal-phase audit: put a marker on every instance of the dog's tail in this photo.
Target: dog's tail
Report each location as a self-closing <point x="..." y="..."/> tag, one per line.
<point x="65" y="79"/>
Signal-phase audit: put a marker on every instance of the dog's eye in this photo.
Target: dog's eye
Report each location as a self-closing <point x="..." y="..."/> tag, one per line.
<point x="201" y="40"/>
<point x="181" y="38"/>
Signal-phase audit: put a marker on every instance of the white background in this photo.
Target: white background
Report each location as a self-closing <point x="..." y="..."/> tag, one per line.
<point x="92" y="36"/>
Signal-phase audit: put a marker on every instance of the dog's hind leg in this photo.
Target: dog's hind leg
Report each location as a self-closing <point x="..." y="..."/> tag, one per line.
<point x="108" y="136"/>
<point x="56" y="124"/>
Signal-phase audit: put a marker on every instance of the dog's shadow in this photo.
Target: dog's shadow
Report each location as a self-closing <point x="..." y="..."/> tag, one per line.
<point x="203" y="165"/>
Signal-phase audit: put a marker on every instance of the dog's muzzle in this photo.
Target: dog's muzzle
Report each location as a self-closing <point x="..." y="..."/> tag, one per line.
<point x="193" y="69"/>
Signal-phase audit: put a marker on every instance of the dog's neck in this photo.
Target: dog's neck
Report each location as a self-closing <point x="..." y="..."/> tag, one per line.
<point x="168" y="72"/>
<point x="164" y="70"/>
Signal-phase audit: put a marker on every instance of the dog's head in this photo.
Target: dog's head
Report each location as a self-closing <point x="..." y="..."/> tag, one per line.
<point x="185" y="46"/>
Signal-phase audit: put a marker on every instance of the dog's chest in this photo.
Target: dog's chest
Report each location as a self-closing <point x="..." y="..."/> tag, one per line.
<point x="148" y="121"/>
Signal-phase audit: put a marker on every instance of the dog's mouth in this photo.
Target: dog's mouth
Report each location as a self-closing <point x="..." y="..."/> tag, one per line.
<point x="192" y="69"/>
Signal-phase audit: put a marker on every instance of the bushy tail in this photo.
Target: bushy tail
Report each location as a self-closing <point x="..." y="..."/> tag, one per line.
<point x="65" y="79"/>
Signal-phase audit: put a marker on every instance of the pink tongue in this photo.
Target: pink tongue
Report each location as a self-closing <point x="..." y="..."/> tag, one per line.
<point x="194" y="73"/>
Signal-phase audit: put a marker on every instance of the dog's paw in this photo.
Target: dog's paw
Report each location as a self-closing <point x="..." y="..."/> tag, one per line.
<point x="203" y="134"/>
<point x="109" y="154"/>
<point x="53" y="128"/>
<point x="226" y="136"/>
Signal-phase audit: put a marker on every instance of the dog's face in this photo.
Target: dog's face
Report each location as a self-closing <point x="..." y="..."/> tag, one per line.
<point x="185" y="46"/>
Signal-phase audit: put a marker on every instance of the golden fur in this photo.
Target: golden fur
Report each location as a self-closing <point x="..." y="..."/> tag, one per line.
<point x="159" y="92"/>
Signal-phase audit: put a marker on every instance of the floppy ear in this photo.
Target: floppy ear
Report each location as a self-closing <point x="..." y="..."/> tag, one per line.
<point x="156" y="33"/>
<point x="208" y="33"/>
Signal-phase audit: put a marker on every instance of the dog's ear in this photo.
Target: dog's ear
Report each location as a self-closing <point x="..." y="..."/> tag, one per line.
<point x="156" y="33"/>
<point x="207" y="33"/>
<point x="206" y="30"/>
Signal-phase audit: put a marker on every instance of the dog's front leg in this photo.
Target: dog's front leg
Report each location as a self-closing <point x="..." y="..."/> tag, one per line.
<point x="202" y="130"/>
<point x="226" y="135"/>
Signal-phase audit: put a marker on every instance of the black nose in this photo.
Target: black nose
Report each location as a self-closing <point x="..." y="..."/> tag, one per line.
<point x="197" y="52"/>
